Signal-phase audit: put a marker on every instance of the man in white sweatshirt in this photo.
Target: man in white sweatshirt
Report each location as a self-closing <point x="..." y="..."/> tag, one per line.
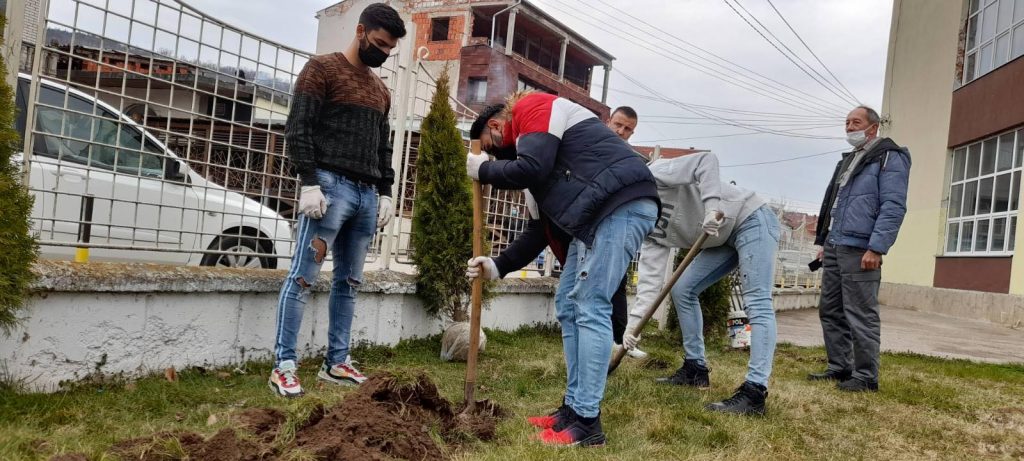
<point x="748" y="236"/>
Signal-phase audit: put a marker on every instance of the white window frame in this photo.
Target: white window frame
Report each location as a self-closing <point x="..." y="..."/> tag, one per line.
<point x="978" y="12"/>
<point x="1016" y="167"/>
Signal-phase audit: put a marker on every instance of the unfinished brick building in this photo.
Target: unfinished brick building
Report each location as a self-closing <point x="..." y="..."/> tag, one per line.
<point x="493" y="48"/>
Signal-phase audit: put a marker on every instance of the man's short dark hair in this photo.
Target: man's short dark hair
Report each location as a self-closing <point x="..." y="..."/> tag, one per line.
<point x="481" y="120"/>
<point x="627" y="111"/>
<point x="381" y="16"/>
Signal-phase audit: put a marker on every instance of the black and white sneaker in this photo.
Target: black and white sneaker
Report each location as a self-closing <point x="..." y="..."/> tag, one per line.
<point x="342" y="373"/>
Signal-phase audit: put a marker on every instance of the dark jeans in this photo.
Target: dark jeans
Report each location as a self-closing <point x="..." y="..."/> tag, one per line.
<point x="620" y="312"/>
<point x="849" y="313"/>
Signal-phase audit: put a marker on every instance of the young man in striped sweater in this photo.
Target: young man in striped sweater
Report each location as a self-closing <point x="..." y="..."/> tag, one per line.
<point x="337" y="135"/>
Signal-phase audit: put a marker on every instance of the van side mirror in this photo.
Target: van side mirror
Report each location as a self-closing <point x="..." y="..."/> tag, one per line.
<point x="172" y="170"/>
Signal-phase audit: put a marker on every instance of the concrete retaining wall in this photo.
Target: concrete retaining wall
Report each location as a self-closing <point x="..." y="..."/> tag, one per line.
<point x="997" y="308"/>
<point x="138" y="318"/>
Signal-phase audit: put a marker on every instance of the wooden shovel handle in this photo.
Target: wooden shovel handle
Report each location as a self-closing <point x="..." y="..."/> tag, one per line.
<point x="478" y="286"/>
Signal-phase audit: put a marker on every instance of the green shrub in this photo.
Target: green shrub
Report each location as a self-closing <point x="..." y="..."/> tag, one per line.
<point x="19" y="247"/>
<point x="443" y="220"/>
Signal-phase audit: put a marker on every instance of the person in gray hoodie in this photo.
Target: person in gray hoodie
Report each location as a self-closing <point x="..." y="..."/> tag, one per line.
<point x="747" y="236"/>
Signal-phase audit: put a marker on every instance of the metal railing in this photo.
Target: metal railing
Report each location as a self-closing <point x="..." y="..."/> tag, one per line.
<point x="170" y="124"/>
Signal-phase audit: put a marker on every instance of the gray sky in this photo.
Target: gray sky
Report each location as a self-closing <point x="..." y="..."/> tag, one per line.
<point x="849" y="36"/>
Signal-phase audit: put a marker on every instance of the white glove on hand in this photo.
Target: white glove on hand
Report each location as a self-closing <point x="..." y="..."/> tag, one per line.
<point x="482" y="263"/>
<point x="531" y="204"/>
<point x="473" y="163"/>
<point x="712" y="222"/>
<point x="385" y="211"/>
<point x="629" y="342"/>
<point x="312" y="202"/>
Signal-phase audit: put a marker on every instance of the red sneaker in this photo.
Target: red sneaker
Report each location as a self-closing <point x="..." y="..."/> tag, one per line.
<point x="548" y="421"/>
<point x="577" y="434"/>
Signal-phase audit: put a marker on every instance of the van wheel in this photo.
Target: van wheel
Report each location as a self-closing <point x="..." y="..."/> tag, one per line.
<point x="243" y="252"/>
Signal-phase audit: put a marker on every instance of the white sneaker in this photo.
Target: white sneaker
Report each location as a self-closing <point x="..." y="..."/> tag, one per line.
<point x="283" y="380"/>
<point x="341" y="373"/>
<point x="636" y="353"/>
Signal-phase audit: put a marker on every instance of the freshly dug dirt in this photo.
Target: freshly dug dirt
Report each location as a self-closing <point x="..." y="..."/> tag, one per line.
<point x="384" y="420"/>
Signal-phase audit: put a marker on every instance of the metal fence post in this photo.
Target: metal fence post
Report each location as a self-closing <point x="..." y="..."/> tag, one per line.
<point x="84" y="229"/>
<point x="33" y="90"/>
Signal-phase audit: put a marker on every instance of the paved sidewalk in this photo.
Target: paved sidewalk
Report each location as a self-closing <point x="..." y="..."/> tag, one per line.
<point x="920" y="332"/>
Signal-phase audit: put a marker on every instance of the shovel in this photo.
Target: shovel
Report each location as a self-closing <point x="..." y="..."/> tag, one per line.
<point x="621" y="352"/>
<point x="478" y="290"/>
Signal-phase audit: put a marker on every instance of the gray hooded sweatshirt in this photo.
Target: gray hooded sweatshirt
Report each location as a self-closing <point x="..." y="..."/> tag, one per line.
<point x="688" y="186"/>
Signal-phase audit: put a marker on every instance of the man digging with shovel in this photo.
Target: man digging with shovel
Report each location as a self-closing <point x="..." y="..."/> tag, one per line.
<point x="745" y="234"/>
<point x="588" y="186"/>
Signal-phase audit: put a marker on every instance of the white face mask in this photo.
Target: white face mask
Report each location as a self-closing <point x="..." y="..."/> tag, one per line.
<point x="857" y="138"/>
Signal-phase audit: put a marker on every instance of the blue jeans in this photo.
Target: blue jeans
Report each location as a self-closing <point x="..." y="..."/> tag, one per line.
<point x="752" y="246"/>
<point x="583" y="303"/>
<point x="346" y="229"/>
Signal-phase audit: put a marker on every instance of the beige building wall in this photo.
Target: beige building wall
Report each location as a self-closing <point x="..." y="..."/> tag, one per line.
<point x="1017" y="271"/>
<point x="919" y="79"/>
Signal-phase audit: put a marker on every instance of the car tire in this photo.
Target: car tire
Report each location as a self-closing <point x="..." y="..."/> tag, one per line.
<point x="247" y="249"/>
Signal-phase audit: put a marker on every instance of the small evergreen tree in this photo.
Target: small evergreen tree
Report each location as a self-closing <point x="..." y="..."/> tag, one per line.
<point x="443" y="221"/>
<point x="19" y="247"/>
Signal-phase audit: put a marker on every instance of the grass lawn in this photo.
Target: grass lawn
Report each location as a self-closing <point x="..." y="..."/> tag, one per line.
<point x="927" y="408"/>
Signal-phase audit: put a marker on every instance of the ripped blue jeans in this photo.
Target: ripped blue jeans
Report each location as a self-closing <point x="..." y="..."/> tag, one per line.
<point x="346" y="229"/>
<point x="752" y="246"/>
<point x="583" y="303"/>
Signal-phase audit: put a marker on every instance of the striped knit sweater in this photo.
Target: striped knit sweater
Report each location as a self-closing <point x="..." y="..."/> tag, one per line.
<point x="339" y="122"/>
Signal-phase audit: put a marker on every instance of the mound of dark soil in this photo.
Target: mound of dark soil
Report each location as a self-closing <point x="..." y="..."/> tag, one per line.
<point x="384" y="420"/>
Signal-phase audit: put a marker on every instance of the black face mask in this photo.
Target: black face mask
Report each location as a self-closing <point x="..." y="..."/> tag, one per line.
<point x="503" y="153"/>
<point x="370" y="54"/>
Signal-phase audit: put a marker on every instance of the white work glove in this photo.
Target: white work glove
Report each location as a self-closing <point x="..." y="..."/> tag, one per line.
<point x="482" y="263"/>
<point x="312" y="202"/>
<point x="473" y="162"/>
<point x="629" y="342"/>
<point x="712" y="222"/>
<point x="531" y="204"/>
<point x="385" y="211"/>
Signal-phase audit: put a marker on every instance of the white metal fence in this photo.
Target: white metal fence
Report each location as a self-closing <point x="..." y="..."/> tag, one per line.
<point x="157" y="134"/>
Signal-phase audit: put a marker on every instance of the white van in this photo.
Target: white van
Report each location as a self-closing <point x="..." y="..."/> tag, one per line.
<point x="143" y="195"/>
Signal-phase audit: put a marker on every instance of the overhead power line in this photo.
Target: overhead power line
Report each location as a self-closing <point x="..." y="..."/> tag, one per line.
<point x="733" y="135"/>
<point x="790" y="56"/>
<point x="704" y="113"/>
<point x="768" y="162"/>
<point x="755" y="86"/>
<point x="729" y="110"/>
<point x="729" y="65"/>
<point x="809" y="50"/>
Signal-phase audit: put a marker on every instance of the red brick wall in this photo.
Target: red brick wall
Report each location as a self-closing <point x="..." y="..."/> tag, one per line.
<point x="447" y="50"/>
<point x="503" y="73"/>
